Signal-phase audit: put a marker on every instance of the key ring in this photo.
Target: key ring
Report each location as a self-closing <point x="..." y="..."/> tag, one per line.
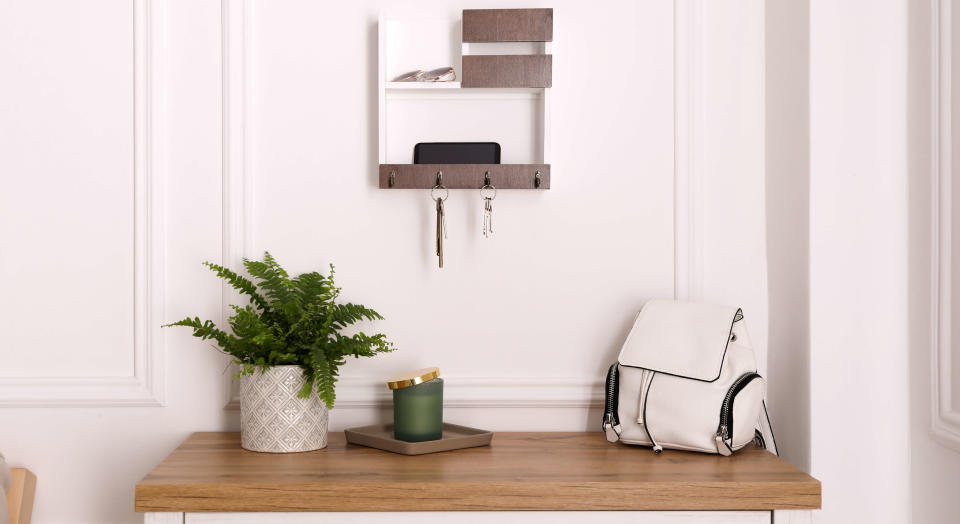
<point x="487" y="185"/>
<point x="438" y="187"/>
<point x="489" y="188"/>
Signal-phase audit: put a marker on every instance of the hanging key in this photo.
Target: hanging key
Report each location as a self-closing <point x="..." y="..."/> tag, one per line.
<point x="487" y="193"/>
<point x="439" y="193"/>
<point x="441" y="229"/>
<point x="487" y="217"/>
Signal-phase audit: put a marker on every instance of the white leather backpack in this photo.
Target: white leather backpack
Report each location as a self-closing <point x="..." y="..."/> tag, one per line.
<point x="687" y="379"/>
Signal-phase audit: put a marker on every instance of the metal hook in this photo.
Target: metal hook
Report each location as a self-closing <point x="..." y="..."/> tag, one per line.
<point x="537" y="179"/>
<point x="435" y="191"/>
<point x="393" y="178"/>
<point x="488" y="191"/>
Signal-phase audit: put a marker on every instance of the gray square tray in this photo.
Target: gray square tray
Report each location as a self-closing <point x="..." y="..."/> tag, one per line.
<point x="380" y="436"/>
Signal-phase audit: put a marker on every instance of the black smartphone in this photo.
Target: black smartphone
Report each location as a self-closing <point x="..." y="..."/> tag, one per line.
<point x="456" y="153"/>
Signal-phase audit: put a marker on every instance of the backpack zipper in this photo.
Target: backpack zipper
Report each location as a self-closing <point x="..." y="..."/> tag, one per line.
<point x="725" y="428"/>
<point x="610" y="417"/>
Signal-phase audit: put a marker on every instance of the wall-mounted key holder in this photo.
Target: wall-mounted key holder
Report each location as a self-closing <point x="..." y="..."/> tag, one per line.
<point x="465" y="176"/>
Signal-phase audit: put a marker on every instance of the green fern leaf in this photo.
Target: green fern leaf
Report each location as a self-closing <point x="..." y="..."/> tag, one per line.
<point x="241" y="284"/>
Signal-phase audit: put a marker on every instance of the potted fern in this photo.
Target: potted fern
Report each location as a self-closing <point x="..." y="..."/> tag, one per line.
<point x="289" y="345"/>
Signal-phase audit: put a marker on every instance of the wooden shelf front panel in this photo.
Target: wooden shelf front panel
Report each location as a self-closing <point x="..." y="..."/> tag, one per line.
<point x="507" y="71"/>
<point x="507" y="25"/>
<point x="464" y="176"/>
<point x="517" y="472"/>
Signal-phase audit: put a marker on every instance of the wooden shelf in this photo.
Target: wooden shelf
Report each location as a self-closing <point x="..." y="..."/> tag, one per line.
<point x="507" y="71"/>
<point x="507" y="25"/>
<point x="517" y="472"/>
<point x="464" y="176"/>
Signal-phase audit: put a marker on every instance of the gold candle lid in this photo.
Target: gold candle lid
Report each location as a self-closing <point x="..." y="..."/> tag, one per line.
<point x="413" y="378"/>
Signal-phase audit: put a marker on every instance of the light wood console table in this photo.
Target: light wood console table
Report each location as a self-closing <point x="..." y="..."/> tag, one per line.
<point x="521" y="477"/>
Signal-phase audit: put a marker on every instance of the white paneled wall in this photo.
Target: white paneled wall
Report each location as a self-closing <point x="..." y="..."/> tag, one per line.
<point x="934" y="143"/>
<point x="552" y="294"/>
<point x="72" y="112"/>
<point x="860" y="447"/>
<point x="254" y="127"/>
<point x="82" y="204"/>
<point x="720" y="215"/>
<point x="110" y="170"/>
<point x="788" y="223"/>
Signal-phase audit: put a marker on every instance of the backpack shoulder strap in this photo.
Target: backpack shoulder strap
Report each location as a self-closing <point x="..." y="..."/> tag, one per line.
<point x="764" y="431"/>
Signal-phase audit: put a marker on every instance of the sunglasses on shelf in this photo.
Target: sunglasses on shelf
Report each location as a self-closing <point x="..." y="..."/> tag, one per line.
<point x="443" y="74"/>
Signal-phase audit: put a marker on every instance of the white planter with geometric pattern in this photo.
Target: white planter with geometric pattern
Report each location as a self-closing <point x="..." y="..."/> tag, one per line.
<point x="274" y="419"/>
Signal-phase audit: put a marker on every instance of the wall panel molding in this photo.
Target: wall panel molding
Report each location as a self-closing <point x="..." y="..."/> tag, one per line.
<point x="237" y="180"/>
<point x="945" y="417"/>
<point x="688" y="38"/>
<point x="482" y="392"/>
<point x="146" y="387"/>
<point x="466" y="392"/>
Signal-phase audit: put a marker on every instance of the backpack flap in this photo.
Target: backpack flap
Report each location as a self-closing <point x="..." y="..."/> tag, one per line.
<point x="684" y="339"/>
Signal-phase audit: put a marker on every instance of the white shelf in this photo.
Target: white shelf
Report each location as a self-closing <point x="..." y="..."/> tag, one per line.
<point x="414" y="112"/>
<point x="404" y="86"/>
<point x="452" y="90"/>
<point x="455" y="87"/>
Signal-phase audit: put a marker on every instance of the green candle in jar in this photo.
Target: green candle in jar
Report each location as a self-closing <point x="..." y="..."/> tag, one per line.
<point x="417" y="405"/>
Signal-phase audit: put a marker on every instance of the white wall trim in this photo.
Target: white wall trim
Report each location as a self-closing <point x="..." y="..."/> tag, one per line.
<point x="482" y="392"/>
<point x="237" y="183"/>
<point x="688" y="27"/>
<point x="470" y="392"/>
<point x="945" y="418"/>
<point x="237" y="179"/>
<point x="147" y="386"/>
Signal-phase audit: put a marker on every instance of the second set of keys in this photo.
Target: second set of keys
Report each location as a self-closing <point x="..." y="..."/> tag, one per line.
<point x="439" y="195"/>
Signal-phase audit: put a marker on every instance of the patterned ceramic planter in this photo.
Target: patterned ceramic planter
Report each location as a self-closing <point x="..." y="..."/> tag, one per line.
<point x="274" y="419"/>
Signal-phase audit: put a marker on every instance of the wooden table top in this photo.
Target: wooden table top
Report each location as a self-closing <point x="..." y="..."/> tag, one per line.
<point x="519" y="471"/>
